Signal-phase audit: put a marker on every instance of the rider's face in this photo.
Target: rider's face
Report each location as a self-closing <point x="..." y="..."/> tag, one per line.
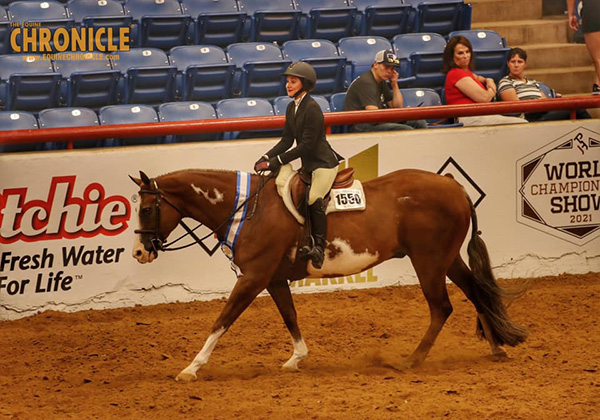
<point x="293" y="85"/>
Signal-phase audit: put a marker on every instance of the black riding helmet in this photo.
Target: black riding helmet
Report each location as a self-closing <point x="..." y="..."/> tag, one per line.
<point x="305" y="72"/>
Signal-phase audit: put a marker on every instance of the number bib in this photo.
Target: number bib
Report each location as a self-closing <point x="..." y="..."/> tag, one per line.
<point x="348" y="199"/>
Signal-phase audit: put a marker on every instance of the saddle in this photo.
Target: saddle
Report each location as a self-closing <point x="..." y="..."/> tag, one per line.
<point x="292" y="187"/>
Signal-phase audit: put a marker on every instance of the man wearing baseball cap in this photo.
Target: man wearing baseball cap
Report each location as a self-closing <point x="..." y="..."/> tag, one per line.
<point x="371" y="90"/>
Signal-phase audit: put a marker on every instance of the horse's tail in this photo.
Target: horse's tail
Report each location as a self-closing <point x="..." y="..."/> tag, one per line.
<point x="488" y="295"/>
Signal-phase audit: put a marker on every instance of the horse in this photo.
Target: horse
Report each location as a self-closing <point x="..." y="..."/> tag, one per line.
<point x="410" y="212"/>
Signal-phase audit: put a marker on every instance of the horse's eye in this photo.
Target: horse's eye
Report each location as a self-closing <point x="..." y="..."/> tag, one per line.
<point x="145" y="211"/>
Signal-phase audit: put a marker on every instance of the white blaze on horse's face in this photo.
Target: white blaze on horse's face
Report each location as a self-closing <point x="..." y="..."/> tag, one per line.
<point x="139" y="251"/>
<point x="214" y="201"/>
<point x="345" y="260"/>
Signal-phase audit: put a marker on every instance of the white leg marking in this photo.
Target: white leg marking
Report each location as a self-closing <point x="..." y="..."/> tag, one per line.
<point x="139" y="252"/>
<point x="345" y="260"/>
<point x="218" y="195"/>
<point x="189" y="373"/>
<point x="494" y="347"/>
<point x="300" y="352"/>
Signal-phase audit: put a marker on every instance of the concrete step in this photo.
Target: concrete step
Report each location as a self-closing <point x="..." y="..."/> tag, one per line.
<point x="504" y="10"/>
<point x="520" y="32"/>
<point x="552" y="56"/>
<point x="566" y="80"/>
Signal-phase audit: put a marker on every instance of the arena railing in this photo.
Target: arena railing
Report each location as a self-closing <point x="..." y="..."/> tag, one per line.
<point x="72" y="134"/>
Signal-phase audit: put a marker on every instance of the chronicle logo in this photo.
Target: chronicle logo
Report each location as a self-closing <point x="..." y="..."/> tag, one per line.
<point x="61" y="214"/>
<point x="559" y="187"/>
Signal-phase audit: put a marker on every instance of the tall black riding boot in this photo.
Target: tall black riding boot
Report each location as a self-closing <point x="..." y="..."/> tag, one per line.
<point x="318" y="223"/>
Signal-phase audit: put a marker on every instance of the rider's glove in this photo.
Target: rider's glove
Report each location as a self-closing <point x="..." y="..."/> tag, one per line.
<point x="264" y="161"/>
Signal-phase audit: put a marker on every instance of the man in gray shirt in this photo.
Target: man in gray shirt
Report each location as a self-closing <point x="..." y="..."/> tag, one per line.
<point x="371" y="90"/>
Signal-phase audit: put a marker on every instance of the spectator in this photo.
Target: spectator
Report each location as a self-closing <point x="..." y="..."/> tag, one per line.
<point x="517" y="87"/>
<point x="590" y="16"/>
<point x="371" y="90"/>
<point x="465" y="87"/>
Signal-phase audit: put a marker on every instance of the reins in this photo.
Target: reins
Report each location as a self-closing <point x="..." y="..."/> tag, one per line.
<point x="158" y="244"/>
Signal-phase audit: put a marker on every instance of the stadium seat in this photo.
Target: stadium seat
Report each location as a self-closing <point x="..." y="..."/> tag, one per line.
<point x="217" y="22"/>
<point x="148" y="78"/>
<point x="271" y="22"/>
<point x="204" y="72"/>
<point x="281" y="102"/>
<point x="360" y="52"/>
<point x="246" y="107"/>
<point x="28" y="83"/>
<point x="102" y="13"/>
<point x="385" y="18"/>
<point x="160" y="23"/>
<point x="50" y="14"/>
<point x="440" y="16"/>
<point x="337" y="105"/>
<point x="188" y="111"/>
<point x="4" y="32"/>
<point x="489" y="50"/>
<point x="323" y="56"/>
<point x="89" y="82"/>
<point x="327" y="19"/>
<point x="18" y="120"/>
<point x="548" y="91"/>
<point x="421" y="58"/>
<point x="69" y="117"/>
<point x="260" y="65"/>
<point x="417" y="97"/>
<point x="129" y="114"/>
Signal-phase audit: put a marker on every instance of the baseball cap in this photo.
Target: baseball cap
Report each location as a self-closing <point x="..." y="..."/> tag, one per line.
<point x="387" y="57"/>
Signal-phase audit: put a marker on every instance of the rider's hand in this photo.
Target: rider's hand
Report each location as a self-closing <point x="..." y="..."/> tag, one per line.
<point x="258" y="167"/>
<point x="274" y="164"/>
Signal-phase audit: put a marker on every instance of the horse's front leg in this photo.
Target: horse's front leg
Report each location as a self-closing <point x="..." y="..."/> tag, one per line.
<point x="245" y="291"/>
<point x="282" y="296"/>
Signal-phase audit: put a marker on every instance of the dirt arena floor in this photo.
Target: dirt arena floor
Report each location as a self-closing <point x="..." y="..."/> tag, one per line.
<point x="121" y="364"/>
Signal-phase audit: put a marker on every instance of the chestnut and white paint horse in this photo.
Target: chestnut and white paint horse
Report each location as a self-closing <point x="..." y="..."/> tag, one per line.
<point x="411" y="213"/>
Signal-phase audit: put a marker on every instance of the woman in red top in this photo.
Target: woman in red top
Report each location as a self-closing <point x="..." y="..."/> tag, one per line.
<point x="465" y="87"/>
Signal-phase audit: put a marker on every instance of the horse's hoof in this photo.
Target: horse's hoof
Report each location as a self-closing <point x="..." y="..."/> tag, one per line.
<point x="500" y="352"/>
<point x="290" y="367"/>
<point x="186" y="377"/>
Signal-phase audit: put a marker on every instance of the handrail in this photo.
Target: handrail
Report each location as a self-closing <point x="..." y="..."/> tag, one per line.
<point x="71" y="134"/>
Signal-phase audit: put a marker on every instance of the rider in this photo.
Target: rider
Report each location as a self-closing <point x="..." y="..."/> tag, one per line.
<point x="304" y="123"/>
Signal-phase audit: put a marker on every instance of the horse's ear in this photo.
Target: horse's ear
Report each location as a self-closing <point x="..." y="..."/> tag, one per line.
<point x="145" y="178"/>
<point x="137" y="181"/>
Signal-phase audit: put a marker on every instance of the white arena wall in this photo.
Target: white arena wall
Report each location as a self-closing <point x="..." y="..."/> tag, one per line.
<point x="67" y="218"/>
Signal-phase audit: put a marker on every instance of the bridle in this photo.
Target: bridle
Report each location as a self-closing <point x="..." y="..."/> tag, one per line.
<point x="160" y="244"/>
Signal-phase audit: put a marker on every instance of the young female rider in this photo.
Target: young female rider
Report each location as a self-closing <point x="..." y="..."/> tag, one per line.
<point x="304" y="123"/>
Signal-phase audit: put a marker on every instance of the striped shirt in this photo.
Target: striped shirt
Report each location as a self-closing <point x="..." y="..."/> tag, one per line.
<point x="529" y="89"/>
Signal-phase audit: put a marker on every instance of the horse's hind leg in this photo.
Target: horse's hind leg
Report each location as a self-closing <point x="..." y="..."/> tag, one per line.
<point x="462" y="276"/>
<point x="280" y="292"/>
<point x="245" y="291"/>
<point x="432" y="278"/>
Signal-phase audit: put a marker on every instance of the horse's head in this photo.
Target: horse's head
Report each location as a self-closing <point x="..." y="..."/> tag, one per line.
<point x="158" y="216"/>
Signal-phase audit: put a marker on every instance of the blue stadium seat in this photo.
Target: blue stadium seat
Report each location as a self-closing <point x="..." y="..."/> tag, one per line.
<point x="89" y="82"/>
<point x="417" y="97"/>
<point x="28" y="83"/>
<point x="246" y="107"/>
<point x="327" y="19"/>
<point x="489" y="50"/>
<point x="422" y="55"/>
<point x="69" y="117"/>
<point x="337" y="105"/>
<point x="18" y="120"/>
<point x="323" y="56"/>
<point x="129" y="114"/>
<point x="188" y="111"/>
<point x="260" y="65"/>
<point x="217" y="22"/>
<point x="49" y="13"/>
<point x="160" y="23"/>
<point x="360" y="52"/>
<point x="4" y="32"/>
<point x="271" y="22"/>
<point x="102" y="13"/>
<point x="440" y="16"/>
<point x="281" y="102"/>
<point x="385" y="18"/>
<point x="204" y="72"/>
<point x="148" y="78"/>
<point x="548" y="91"/>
